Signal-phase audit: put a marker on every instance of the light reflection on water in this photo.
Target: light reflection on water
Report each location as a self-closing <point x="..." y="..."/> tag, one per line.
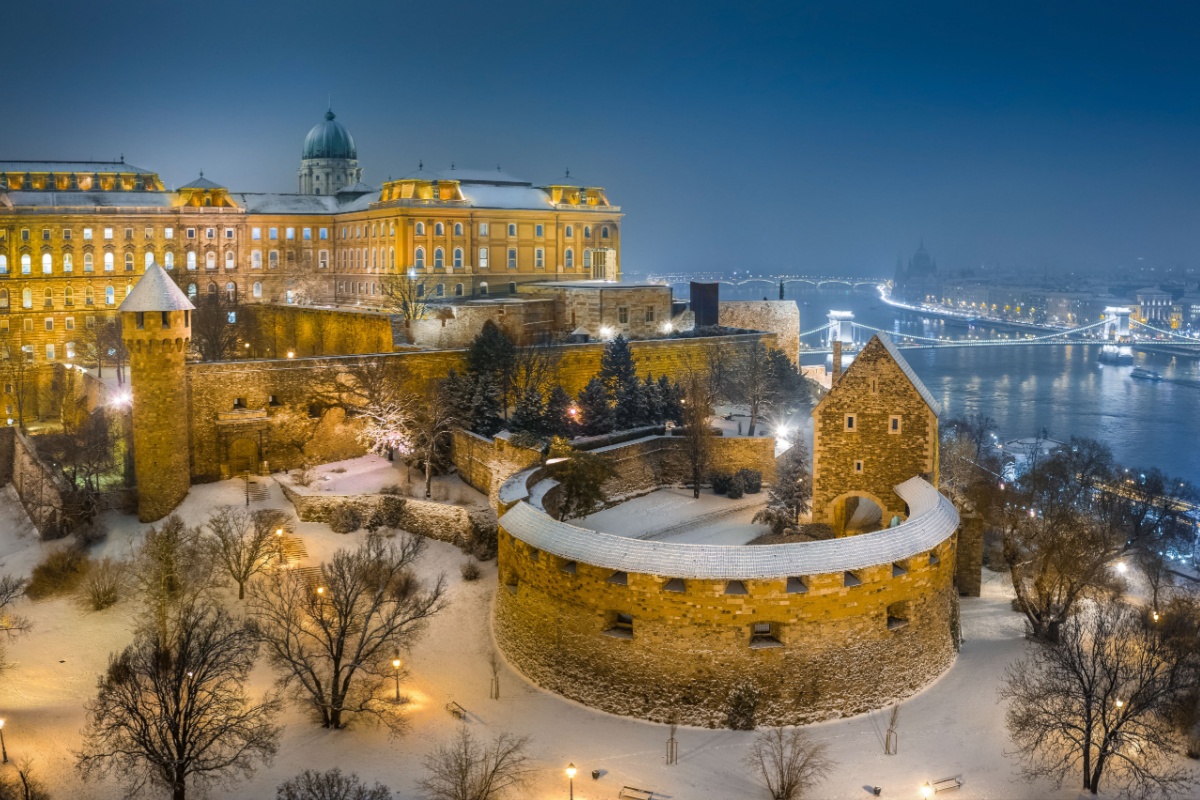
<point x="1063" y="390"/>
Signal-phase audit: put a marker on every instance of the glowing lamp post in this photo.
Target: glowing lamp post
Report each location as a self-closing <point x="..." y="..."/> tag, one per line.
<point x="279" y="541"/>
<point x="571" y="779"/>
<point x="926" y="789"/>
<point x="3" y="749"/>
<point x="396" y="662"/>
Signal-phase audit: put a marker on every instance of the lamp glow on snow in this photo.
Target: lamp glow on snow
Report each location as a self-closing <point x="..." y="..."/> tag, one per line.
<point x="1120" y="567"/>
<point x="926" y="789"/>
<point x="396" y="662"/>
<point x="571" y="778"/>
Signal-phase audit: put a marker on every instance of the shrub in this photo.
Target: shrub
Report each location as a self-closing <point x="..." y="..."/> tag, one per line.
<point x="60" y="571"/>
<point x="736" y="487"/>
<point x="751" y="480"/>
<point x="483" y="542"/>
<point x="90" y="533"/>
<point x="743" y="707"/>
<point x="393" y="489"/>
<point x="720" y="482"/>
<point x="387" y="514"/>
<point x="305" y="475"/>
<point x="345" y="519"/>
<point x="470" y="570"/>
<point x="338" y="470"/>
<point x="103" y="583"/>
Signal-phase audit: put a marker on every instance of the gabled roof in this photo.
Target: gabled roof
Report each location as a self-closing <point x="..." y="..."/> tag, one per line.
<point x="886" y="343"/>
<point x="155" y="291"/>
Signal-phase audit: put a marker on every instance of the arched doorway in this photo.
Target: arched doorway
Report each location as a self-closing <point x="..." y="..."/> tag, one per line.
<point x="853" y="514"/>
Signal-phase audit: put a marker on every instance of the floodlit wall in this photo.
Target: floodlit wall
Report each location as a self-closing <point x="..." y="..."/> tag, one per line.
<point x="780" y="317"/>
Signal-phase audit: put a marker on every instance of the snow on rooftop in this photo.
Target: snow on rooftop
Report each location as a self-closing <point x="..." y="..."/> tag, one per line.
<point x="483" y="195"/>
<point x="113" y="199"/>
<point x="155" y="291"/>
<point x="86" y="167"/>
<point x="933" y="520"/>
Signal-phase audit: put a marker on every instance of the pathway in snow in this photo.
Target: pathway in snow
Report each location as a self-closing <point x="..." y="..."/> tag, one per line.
<point x="673" y="515"/>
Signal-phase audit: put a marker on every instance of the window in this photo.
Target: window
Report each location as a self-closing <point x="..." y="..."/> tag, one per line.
<point x="323" y="259"/>
<point x="849" y="579"/>
<point x="439" y="258"/>
<point x="256" y="289"/>
<point x="169" y="258"/>
<point x="458" y="229"/>
<point x="858" y="467"/>
<point x="569" y="259"/>
<point x="458" y="258"/>
<point x="539" y="230"/>
<point x="620" y="626"/>
<point x="191" y="259"/>
<point x="765" y="634"/>
<point x="604" y="232"/>
<point x="512" y="289"/>
<point x="45" y="234"/>
<point x="539" y="258"/>
<point x="67" y="234"/>
<point x="439" y="229"/>
<point x="68" y="299"/>
<point x="108" y="262"/>
<point x="897" y="616"/>
<point x="587" y="259"/>
<point x="420" y="290"/>
<point x="47" y="264"/>
<point x="512" y="229"/>
<point x="273" y="259"/>
<point x="229" y="263"/>
<point x="273" y="233"/>
<point x="894" y="423"/>
<point x="48" y="301"/>
<point x="69" y="322"/>
<point x="512" y="258"/>
<point x="68" y="263"/>
<point x="210" y="233"/>
<point x="483" y="258"/>
<point x="191" y="290"/>
<point x="483" y="229"/>
<point x="191" y="233"/>
<point x="256" y="259"/>
<point x="623" y="315"/>
<point x="231" y="292"/>
<point x="70" y="350"/>
<point x="3" y="264"/>
<point x="210" y="260"/>
<point x="229" y="233"/>
<point x="483" y="288"/>
<point x="168" y="233"/>
<point x="874" y="386"/>
<point x="26" y="264"/>
<point x="735" y="587"/>
<point x="323" y="233"/>
<point x="110" y="295"/>
<point x="587" y="231"/>
<point x="255" y="234"/>
<point x="458" y="290"/>
<point x="419" y="258"/>
<point x="149" y="259"/>
<point x="3" y="298"/>
<point x="569" y="232"/>
<point x="129" y="262"/>
<point x="649" y="313"/>
<point x="49" y="323"/>
<point x="108" y="233"/>
<point x="27" y="325"/>
<point x="49" y="352"/>
<point x="89" y="299"/>
<point x="849" y="422"/>
<point x="796" y="586"/>
<point x="24" y="234"/>
<point x="290" y="233"/>
<point x="420" y="229"/>
<point x="87" y="234"/>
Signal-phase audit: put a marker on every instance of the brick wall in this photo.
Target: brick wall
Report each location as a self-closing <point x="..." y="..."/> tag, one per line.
<point x="439" y="521"/>
<point x="485" y="464"/>
<point x="40" y="488"/>
<point x="837" y="655"/>
<point x="319" y="332"/>
<point x="780" y="317"/>
<point x="455" y="326"/>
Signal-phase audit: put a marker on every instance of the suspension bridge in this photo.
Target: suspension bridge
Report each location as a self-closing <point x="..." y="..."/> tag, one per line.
<point x="777" y="281"/>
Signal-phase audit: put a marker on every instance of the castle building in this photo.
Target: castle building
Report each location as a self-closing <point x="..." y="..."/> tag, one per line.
<point x="75" y="236"/>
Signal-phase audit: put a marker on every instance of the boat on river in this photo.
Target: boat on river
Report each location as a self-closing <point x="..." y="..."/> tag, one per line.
<point x="1143" y="374"/>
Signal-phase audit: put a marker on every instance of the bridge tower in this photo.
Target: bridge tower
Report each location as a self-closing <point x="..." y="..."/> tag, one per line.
<point x="841" y="328"/>
<point x="1116" y="323"/>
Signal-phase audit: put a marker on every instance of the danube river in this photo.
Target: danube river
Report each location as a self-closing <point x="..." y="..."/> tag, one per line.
<point x="1025" y="389"/>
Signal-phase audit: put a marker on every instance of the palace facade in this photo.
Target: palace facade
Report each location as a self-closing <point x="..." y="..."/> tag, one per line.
<point x="75" y="236"/>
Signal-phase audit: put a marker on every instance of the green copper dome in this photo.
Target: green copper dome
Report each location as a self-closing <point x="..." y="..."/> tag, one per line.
<point x="329" y="139"/>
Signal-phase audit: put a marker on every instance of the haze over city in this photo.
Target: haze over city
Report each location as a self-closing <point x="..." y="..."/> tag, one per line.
<point x="814" y="137"/>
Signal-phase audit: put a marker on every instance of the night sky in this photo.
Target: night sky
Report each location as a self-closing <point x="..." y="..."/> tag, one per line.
<point x="822" y="138"/>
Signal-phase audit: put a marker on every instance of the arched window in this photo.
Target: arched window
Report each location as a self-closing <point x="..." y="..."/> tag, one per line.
<point x="587" y="231"/>
<point x="149" y="258"/>
<point x="26" y="264"/>
<point x="108" y="262"/>
<point x="569" y="259"/>
<point x="191" y="259"/>
<point x="256" y="259"/>
<point x="570" y="231"/>
<point x="110" y="295"/>
<point x="68" y="262"/>
<point x="3" y="264"/>
<point x="89" y="296"/>
<point x="458" y="229"/>
<point x="419" y="258"/>
<point x="212" y="289"/>
<point x="391" y="229"/>
<point x="87" y="262"/>
<point x="68" y="296"/>
<point x="229" y="259"/>
<point x="539" y="258"/>
<point x="604" y="232"/>
<point x="231" y="291"/>
<point x="439" y="290"/>
<point x="169" y="258"/>
<point x="483" y="288"/>
<point x="458" y="262"/>
<point x="439" y="229"/>
<point x="256" y="289"/>
<point x="420" y="229"/>
<point x="587" y="259"/>
<point x="47" y="264"/>
<point x="48" y="298"/>
<point x="273" y="259"/>
<point x="3" y="298"/>
<point x="26" y="298"/>
<point x="512" y="258"/>
<point x="210" y="260"/>
<point x="191" y="290"/>
<point x="439" y="258"/>
<point x="129" y="262"/>
<point x="128" y="289"/>
<point x="458" y="290"/>
<point x="512" y="229"/>
<point x="392" y="257"/>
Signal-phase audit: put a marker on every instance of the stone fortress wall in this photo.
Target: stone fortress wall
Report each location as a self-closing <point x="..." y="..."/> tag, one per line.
<point x="780" y="317"/>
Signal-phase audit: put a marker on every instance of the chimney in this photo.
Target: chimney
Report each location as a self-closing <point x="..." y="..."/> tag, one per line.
<point x="837" y="362"/>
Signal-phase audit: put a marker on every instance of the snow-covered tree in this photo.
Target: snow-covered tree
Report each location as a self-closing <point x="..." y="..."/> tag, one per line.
<point x="596" y="409"/>
<point x="529" y="416"/>
<point x="791" y="492"/>
<point x="581" y="484"/>
<point x="556" y="416"/>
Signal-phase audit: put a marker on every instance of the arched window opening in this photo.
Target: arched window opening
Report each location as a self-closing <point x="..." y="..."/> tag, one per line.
<point x="439" y="258"/>
<point x="419" y="258"/>
<point x="458" y="258"/>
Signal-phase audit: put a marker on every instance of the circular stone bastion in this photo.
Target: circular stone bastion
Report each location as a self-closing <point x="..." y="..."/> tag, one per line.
<point x="698" y="633"/>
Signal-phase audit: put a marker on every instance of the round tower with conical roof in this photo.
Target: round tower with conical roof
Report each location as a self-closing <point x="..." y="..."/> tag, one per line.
<point x="329" y="161"/>
<point x="156" y="325"/>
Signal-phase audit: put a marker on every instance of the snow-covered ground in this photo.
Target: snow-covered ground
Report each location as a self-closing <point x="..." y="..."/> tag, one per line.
<point x="370" y="473"/>
<point x="954" y="727"/>
<point x="673" y="515"/>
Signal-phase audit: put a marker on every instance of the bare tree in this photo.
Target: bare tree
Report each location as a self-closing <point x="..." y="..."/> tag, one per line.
<point x="172" y="712"/>
<point x="18" y="372"/>
<point x="333" y="642"/>
<point x="216" y="327"/>
<point x="25" y="786"/>
<point x="245" y="541"/>
<point x="406" y="294"/>
<point x="170" y="569"/>
<point x="433" y="426"/>
<point x="465" y="769"/>
<point x="1094" y="705"/>
<point x="697" y="434"/>
<point x="787" y="762"/>
<point x="11" y="625"/>
<point x="332" y="784"/>
<point x="85" y="454"/>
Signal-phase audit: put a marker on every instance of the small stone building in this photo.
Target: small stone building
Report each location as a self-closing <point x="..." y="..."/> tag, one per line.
<point x="876" y="428"/>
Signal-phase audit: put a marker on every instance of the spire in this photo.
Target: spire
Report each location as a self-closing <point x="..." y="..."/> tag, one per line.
<point x="329" y="115"/>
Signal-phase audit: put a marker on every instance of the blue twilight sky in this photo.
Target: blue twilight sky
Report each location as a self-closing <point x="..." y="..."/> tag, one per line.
<point x="817" y="137"/>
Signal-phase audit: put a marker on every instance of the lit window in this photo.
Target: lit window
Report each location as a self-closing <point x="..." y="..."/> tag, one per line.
<point x="70" y="345"/>
<point x="110" y="295"/>
<point x="149" y="259"/>
<point x="47" y="264"/>
<point x="108" y="233"/>
<point x="256" y="289"/>
<point x="108" y="262"/>
<point x="87" y="234"/>
<point x="3" y="264"/>
<point x="291" y="233"/>
<point x="49" y="352"/>
<point x="483" y="258"/>
<point x="169" y="258"/>
<point x="255" y="233"/>
<point x="168" y="233"/>
<point x="191" y="260"/>
<point x="26" y="264"/>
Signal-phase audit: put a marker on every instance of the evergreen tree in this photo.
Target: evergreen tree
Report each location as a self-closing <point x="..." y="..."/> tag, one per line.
<point x="556" y="418"/>
<point x="595" y="409"/>
<point x="672" y="400"/>
<point x="485" y="407"/>
<point x="529" y="415"/>
<point x="460" y="394"/>
<point x="617" y="369"/>
<point x="632" y="408"/>
<point x="653" y="397"/>
<point x="493" y="353"/>
<point x="581" y="480"/>
<point x="792" y="490"/>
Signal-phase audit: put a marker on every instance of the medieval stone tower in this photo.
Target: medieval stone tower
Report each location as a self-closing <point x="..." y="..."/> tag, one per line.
<point x="876" y="428"/>
<point x="156" y="325"/>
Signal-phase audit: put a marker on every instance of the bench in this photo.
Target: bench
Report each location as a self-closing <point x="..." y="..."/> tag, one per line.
<point x="633" y="793"/>
<point x="456" y="710"/>
<point x="946" y="784"/>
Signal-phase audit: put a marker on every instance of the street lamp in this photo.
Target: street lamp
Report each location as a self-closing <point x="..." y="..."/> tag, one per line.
<point x="571" y="778"/>
<point x="926" y="789"/>
<point x="3" y="749"/>
<point x="396" y="663"/>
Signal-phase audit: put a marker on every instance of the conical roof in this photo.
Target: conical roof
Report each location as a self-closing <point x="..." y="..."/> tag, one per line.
<point x="155" y="291"/>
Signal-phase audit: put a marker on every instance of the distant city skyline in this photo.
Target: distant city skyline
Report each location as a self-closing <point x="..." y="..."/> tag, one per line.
<point x="782" y="137"/>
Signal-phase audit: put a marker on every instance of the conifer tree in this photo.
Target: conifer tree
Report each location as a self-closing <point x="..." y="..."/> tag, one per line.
<point x="791" y="493"/>
<point x="485" y="407"/>
<point x="653" y="398"/>
<point x="493" y="354"/>
<point x="617" y="369"/>
<point x="672" y="400"/>
<point x="595" y="409"/>
<point x="529" y="415"/>
<point x="556" y="418"/>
